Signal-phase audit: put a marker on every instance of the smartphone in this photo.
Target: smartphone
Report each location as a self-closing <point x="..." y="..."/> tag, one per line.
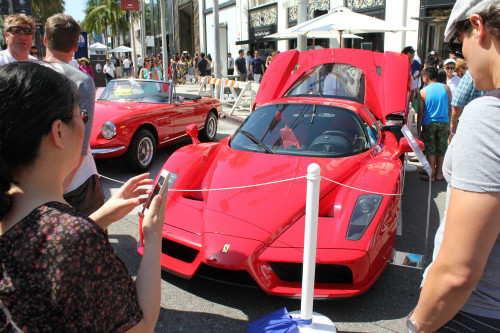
<point x="161" y="186"/>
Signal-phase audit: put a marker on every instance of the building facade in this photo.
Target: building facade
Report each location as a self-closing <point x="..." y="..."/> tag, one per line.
<point x="244" y="24"/>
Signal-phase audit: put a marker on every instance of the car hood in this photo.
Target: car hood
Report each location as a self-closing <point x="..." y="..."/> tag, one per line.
<point x="107" y="111"/>
<point x="256" y="195"/>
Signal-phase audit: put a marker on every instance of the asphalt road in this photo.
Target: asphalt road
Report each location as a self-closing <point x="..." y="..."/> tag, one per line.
<point x="200" y="305"/>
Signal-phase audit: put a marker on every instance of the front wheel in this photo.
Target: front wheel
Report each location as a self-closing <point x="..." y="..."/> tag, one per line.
<point x="141" y="151"/>
<point x="210" y="129"/>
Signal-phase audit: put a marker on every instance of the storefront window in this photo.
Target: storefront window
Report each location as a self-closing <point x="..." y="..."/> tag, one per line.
<point x="257" y="3"/>
<point x="363" y="4"/>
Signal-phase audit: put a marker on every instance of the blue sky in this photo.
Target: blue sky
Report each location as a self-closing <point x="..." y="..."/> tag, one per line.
<point x="75" y="8"/>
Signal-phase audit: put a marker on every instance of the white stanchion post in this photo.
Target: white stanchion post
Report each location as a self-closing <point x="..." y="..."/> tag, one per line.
<point x="319" y="323"/>
<point x="310" y="240"/>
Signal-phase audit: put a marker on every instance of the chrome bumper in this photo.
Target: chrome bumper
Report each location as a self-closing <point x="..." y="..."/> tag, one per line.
<point x="107" y="150"/>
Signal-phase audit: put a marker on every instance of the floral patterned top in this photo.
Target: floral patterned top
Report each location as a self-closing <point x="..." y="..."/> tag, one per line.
<point x="59" y="273"/>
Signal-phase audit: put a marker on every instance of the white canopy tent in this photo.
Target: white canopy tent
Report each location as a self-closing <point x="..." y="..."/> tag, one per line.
<point x="98" y="47"/>
<point x="121" y="48"/>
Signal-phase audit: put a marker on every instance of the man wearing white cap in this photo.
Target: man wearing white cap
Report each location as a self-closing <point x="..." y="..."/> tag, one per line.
<point x="452" y="80"/>
<point x="461" y="288"/>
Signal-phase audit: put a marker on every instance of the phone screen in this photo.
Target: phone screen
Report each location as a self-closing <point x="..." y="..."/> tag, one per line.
<point x="156" y="190"/>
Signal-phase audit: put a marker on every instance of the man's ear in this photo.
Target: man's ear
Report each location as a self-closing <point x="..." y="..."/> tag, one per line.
<point x="45" y="41"/>
<point x="478" y="28"/>
<point x="75" y="48"/>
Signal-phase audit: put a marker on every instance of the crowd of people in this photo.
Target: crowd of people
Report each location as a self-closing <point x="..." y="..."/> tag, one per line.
<point x="58" y="271"/>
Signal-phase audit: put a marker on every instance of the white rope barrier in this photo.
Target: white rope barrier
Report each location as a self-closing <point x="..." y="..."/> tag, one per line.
<point x="263" y="184"/>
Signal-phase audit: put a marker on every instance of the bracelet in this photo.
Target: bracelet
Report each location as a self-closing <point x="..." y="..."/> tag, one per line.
<point x="410" y="324"/>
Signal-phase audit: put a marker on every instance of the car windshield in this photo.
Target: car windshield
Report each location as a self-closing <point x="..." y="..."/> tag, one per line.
<point x="136" y="91"/>
<point x="331" y="80"/>
<point x="304" y="130"/>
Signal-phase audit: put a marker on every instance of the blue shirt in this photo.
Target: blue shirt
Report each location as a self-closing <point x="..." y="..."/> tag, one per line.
<point x="257" y="64"/>
<point x="465" y="92"/>
<point x="436" y="104"/>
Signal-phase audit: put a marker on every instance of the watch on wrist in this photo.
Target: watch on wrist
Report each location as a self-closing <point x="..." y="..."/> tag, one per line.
<point x="410" y="324"/>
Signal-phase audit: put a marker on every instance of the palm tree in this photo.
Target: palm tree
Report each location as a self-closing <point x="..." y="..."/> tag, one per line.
<point x="103" y="14"/>
<point x="46" y="8"/>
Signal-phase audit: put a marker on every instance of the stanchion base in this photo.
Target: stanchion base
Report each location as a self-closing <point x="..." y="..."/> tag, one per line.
<point x="320" y="323"/>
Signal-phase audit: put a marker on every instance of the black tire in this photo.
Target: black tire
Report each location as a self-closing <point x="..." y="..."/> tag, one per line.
<point x="210" y="130"/>
<point x="141" y="152"/>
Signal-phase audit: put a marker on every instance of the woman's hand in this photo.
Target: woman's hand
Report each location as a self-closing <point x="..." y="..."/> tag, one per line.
<point x="129" y="196"/>
<point x="152" y="223"/>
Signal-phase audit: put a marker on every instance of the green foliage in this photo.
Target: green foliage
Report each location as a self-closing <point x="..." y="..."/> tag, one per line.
<point x="103" y="14"/>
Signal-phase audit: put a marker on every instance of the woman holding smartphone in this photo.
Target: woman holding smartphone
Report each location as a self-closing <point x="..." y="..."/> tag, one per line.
<point x="58" y="271"/>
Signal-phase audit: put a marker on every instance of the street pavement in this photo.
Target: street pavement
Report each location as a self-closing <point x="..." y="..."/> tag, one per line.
<point x="200" y="305"/>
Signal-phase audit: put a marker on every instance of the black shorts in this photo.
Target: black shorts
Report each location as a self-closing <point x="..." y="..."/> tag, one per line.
<point x="88" y="197"/>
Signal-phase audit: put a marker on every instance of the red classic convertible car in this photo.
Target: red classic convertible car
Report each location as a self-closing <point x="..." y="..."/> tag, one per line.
<point x="133" y="118"/>
<point x="236" y="209"/>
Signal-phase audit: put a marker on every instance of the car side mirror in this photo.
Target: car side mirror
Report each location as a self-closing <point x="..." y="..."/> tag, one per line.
<point x="192" y="131"/>
<point x="405" y="147"/>
<point x="181" y="99"/>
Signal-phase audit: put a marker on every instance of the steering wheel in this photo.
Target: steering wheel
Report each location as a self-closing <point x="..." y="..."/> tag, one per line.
<point x="337" y="133"/>
<point x="336" y="142"/>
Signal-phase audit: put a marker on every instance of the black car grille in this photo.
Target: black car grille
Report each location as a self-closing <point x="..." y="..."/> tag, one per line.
<point x="325" y="273"/>
<point x="178" y="251"/>
<point x="238" y="278"/>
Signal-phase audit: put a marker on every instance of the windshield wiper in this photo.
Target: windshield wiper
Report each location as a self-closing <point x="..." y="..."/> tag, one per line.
<point x="257" y="141"/>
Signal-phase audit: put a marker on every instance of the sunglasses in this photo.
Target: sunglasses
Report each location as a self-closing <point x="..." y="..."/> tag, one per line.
<point x="84" y="115"/>
<point x="34" y="53"/>
<point x="17" y="30"/>
<point x="449" y="68"/>
<point x="455" y="46"/>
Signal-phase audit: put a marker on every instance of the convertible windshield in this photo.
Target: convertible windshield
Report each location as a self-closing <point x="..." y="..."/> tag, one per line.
<point x="305" y="130"/>
<point x="331" y="80"/>
<point x="136" y="91"/>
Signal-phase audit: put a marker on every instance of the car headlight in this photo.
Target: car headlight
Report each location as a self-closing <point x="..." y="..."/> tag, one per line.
<point x="108" y="130"/>
<point x="362" y="215"/>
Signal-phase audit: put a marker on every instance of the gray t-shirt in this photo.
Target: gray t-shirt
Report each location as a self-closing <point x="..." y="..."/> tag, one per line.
<point x="87" y="102"/>
<point x="472" y="163"/>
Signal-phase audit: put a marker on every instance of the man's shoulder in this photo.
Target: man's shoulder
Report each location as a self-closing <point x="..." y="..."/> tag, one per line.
<point x="76" y="75"/>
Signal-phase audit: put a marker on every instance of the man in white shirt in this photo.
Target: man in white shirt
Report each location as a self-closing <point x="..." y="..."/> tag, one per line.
<point x="109" y="71"/>
<point x="19" y="30"/>
<point x="126" y="67"/>
<point x="452" y="80"/>
<point x="83" y="189"/>
<point x="140" y="64"/>
<point x="230" y="64"/>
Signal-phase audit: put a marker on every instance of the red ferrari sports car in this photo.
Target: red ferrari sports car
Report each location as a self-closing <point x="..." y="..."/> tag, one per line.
<point x="235" y="211"/>
<point x="133" y="118"/>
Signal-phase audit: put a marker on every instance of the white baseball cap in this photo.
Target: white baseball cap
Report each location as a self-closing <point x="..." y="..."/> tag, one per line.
<point x="462" y="10"/>
<point x="447" y="61"/>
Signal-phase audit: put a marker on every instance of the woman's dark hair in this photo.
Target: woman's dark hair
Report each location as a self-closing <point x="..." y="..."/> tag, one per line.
<point x="33" y="96"/>
<point x="442" y="77"/>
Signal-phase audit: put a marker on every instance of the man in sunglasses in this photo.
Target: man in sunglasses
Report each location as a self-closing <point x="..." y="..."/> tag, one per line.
<point x="19" y="30"/>
<point x="83" y="190"/>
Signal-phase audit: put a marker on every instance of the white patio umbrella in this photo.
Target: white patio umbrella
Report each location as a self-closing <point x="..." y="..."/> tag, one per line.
<point x="344" y="20"/>
<point x="121" y="48"/>
<point x="98" y="47"/>
<point x="287" y="34"/>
